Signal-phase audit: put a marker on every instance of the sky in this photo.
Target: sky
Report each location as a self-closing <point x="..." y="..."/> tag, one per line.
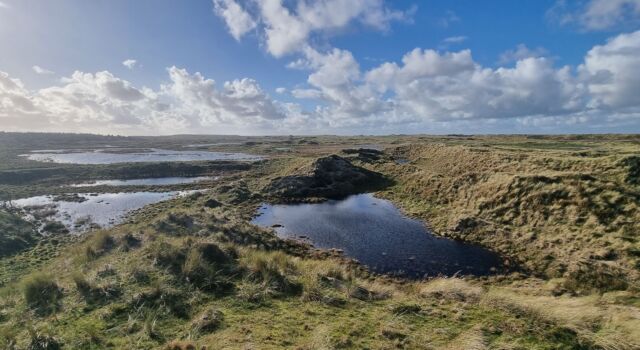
<point x="346" y="67"/>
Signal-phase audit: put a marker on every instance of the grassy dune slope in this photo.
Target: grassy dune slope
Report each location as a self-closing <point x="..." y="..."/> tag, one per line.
<point x="560" y="213"/>
<point x="194" y="272"/>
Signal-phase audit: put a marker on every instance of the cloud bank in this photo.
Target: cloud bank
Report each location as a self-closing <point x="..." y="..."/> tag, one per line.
<point x="425" y="90"/>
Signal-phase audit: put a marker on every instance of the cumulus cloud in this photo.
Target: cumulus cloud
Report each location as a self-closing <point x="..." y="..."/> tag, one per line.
<point x="424" y="89"/>
<point x="611" y="73"/>
<point x="240" y="101"/>
<point x="41" y="71"/>
<point x="596" y="14"/>
<point x="101" y="101"/>
<point x="287" y="28"/>
<point x="448" y="87"/>
<point x="129" y="63"/>
<point x="521" y="52"/>
<point x="239" y="22"/>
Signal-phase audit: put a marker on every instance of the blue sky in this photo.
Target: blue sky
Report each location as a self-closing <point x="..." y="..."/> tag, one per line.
<point x="329" y="66"/>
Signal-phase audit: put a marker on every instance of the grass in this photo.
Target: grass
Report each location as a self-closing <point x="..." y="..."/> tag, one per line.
<point x="41" y="293"/>
<point x="16" y="234"/>
<point x="556" y="213"/>
<point x="183" y="274"/>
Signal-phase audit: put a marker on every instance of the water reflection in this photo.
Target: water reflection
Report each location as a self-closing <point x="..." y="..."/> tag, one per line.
<point x="374" y="232"/>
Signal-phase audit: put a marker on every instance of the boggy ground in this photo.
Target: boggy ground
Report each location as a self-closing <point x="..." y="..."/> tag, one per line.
<point x="194" y="272"/>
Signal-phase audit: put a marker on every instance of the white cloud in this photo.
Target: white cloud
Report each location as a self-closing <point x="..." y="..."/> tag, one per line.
<point x="239" y="22"/>
<point x="102" y="101"/>
<point x="521" y="52"/>
<point x="41" y="71"/>
<point x="281" y="90"/>
<point x="448" y="19"/>
<point x="454" y="39"/>
<point x="448" y="87"/>
<point x="612" y="74"/>
<point x="452" y="86"/>
<point x="601" y="14"/>
<point x="287" y="28"/>
<point x="596" y="14"/>
<point x="240" y="101"/>
<point x="3" y="5"/>
<point x="425" y="91"/>
<point x="130" y="63"/>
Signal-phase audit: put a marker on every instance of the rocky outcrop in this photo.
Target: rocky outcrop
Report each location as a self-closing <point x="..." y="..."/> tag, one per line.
<point x="327" y="177"/>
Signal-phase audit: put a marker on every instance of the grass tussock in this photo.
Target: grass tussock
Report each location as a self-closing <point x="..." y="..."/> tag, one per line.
<point x="274" y="271"/>
<point x="41" y="293"/>
<point x="99" y="244"/>
<point x="92" y="293"/>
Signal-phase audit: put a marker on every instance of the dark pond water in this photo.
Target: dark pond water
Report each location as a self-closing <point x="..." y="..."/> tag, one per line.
<point x="103" y="156"/>
<point x="374" y="232"/>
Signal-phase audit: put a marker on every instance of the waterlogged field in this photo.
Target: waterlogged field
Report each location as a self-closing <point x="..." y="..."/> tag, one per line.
<point x="82" y="212"/>
<point x="165" y="251"/>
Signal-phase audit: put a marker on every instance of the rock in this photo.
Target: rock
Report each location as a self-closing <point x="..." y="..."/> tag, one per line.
<point x="327" y="177"/>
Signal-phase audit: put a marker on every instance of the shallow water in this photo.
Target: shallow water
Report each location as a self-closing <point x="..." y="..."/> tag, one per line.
<point x="160" y="181"/>
<point x="103" y="210"/>
<point x="198" y="145"/>
<point x="103" y="156"/>
<point x="374" y="232"/>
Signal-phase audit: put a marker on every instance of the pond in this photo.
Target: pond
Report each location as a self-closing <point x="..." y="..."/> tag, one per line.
<point x="160" y="181"/>
<point x="80" y="212"/>
<point x="374" y="232"/>
<point x="105" y="156"/>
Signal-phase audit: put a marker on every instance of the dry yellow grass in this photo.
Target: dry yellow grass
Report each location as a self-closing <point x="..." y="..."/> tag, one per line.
<point x="557" y="212"/>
